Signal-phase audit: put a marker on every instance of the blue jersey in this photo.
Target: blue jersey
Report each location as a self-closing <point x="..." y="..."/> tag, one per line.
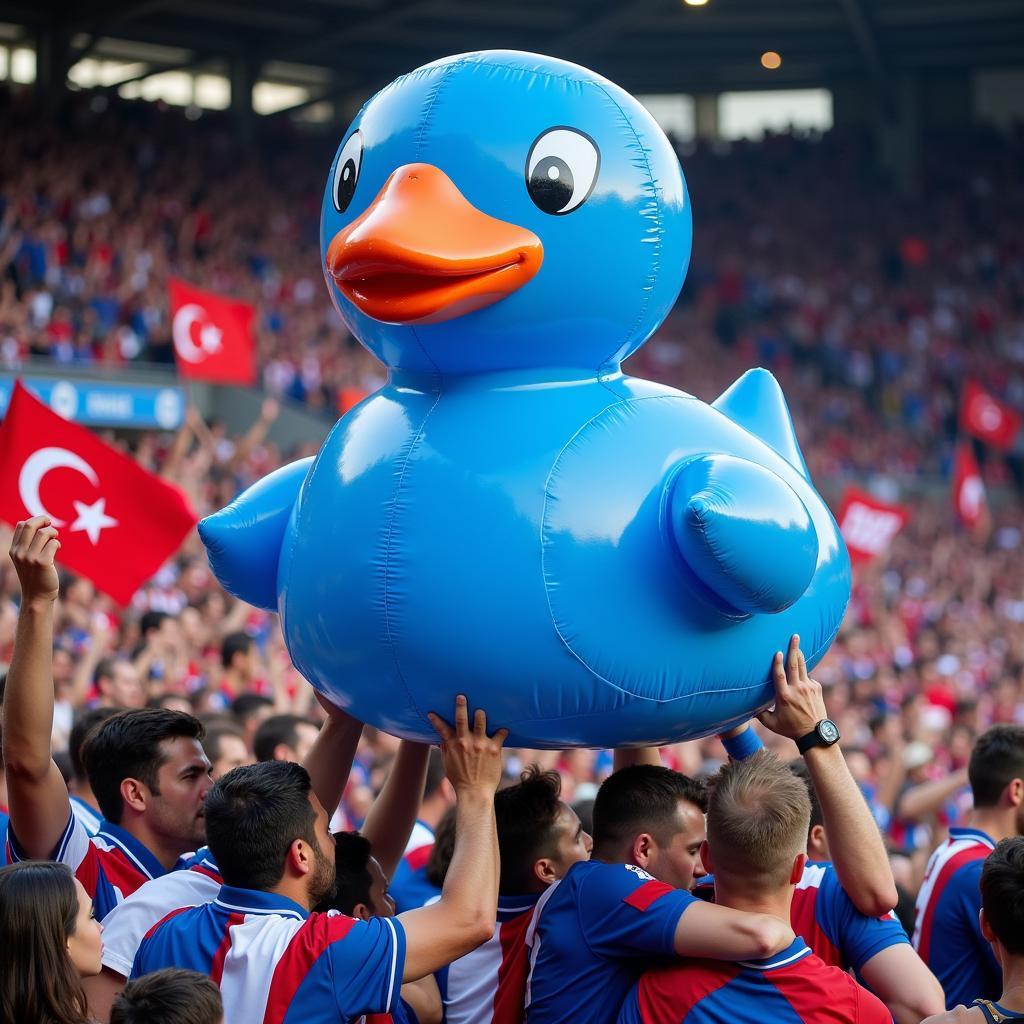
<point x="592" y="935"/>
<point x="947" y="934"/>
<point x="277" y="964"/>
<point x="3" y="825"/>
<point x="824" y="916"/>
<point x="792" y="987"/>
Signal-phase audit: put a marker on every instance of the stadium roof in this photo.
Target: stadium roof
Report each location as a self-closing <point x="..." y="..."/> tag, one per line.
<point x="648" y="46"/>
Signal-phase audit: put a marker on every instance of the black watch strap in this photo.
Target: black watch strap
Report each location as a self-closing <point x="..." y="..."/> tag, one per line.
<point x="824" y="734"/>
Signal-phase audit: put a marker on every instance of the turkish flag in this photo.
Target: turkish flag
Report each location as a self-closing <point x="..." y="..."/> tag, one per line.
<point x="118" y="522"/>
<point x="869" y="525"/>
<point x="969" y="497"/>
<point x="988" y="419"/>
<point x="213" y="338"/>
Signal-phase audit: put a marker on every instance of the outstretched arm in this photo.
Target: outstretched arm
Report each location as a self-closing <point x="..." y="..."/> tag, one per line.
<point x="465" y="916"/>
<point x="329" y="760"/>
<point x="858" y="852"/>
<point x="719" y="933"/>
<point x="393" y="814"/>
<point x="39" y="804"/>
<point x="902" y="980"/>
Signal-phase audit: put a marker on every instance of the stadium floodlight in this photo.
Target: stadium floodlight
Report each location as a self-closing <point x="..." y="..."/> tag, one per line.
<point x="695" y="3"/>
<point x="770" y="60"/>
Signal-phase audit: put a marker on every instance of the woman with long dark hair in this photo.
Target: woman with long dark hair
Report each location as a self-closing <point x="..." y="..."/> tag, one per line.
<point x="50" y="941"/>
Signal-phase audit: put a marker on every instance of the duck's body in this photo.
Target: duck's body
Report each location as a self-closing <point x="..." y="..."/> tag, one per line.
<point x="597" y="560"/>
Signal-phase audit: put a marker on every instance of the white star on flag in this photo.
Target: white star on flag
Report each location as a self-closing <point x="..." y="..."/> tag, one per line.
<point x="92" y="518"/>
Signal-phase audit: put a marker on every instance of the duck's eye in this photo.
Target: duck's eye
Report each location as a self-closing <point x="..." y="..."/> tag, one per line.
<point x="561" y="170"/>
<point x="346" y="172"/>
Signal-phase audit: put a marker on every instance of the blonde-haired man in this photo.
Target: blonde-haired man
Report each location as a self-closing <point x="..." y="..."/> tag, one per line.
<point x="757" y="822"/>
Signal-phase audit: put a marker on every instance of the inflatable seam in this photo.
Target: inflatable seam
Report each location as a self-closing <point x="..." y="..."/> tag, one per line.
<point x="392" y="516"/>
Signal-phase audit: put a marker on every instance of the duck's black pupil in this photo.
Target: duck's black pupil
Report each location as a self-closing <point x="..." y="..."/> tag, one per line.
<point x="346" y="185"/>
<point x="551" y="184"/>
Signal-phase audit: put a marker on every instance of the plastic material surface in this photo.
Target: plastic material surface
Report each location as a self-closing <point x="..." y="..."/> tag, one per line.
<point x="597" y="560"/>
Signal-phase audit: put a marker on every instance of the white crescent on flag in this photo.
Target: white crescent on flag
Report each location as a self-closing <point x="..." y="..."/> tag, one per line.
<point x="91" y="518"/>
<point x="210" y="335"/>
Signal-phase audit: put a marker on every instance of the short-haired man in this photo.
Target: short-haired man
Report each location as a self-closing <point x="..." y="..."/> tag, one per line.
<point x="118" y="684"/>
<point x="284" y="738"/>
<point x="225" y="748"/>
<point x="273" y="958"/>
<point x="146" y="768"/>
<point x="171" y="996"/>
<point x="876" y="948"/>
<point x="756" y="832"/>
<point x="947" y="932"/>
<point x="540" y="838"/>
<point x="410" y="887"/>
<point x="1002" y="924"/>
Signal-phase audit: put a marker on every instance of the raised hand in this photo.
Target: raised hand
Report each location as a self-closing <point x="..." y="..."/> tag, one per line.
<point x="33" y="549"/>
<point x="472" y="759"/>
<point x="799" y="703"/>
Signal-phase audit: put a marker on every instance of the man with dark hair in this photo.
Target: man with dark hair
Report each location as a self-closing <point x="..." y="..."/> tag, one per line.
<point x="238" y="658"/>
<point x="947" y="932"/>
<point x="249" y="710"/>
<point x="757" y="828"/>
<point x="876" y="948"/>
<point x="540" y="839"/>
<point x="118" y="684"/>
<point x="274" y="958"/>
<point x="83" y="800"/>
<point x="146" y="768"/>
<point x="171" y="996"/>
<point x="225" y="748"/>
<point x="1002" y="924"/>
<point x="284" y="738"/>
<point x="410" y="887"/>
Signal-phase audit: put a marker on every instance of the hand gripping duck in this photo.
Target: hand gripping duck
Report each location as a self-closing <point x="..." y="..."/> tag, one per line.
<point x="598" y="560"/>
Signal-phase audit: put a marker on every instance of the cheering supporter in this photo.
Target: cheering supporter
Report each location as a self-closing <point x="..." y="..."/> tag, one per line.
<point x="50" y="941"/>
<point x="758" y="816"/>
<point x="225" y="747"/>
<point x="540" y="838"/>
<point x="171" y="996"/>
<point x="947" y="930"/>
<point x="877" y="948"/>
<point x="146" y="767"/>
<point x="361" y="891"/>
<point x="270" y="837"/>
<point x="284" y="738"/>
<point x="1002" y="924"/>
<point x="410" y="887"/>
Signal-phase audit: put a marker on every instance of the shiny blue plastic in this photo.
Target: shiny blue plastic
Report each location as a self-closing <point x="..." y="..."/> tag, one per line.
<point x="595" y="559"/>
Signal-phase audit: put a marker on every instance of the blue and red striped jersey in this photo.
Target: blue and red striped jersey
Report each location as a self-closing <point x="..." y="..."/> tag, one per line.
<point x="792" y="987"/>
<point x="947" y="934"/>
<point x="276" y="963"/>
<point x="592" y="935"/>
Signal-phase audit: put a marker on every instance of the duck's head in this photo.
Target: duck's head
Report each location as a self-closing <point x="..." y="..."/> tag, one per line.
<point x="504" y="210"/>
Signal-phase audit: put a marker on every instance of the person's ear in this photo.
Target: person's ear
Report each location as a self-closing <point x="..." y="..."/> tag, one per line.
<point x="986" y="928"/>
<point x="705" y="857"/>
<point x="282" y="752"/>
<point x="816" y="844"/>
<point x="300" y="857"/>
<point x="798" y="868"/>
<point x="361" y="912"/>
<point x="544" y="869"/>
<point x="1015" y="792"/>
<point x="448" y="790"/>
<point x="642" y="850"/>
<point x="135" y="795"/>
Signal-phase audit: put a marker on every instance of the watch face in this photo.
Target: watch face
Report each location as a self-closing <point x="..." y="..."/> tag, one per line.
<point x="828" y="731"/>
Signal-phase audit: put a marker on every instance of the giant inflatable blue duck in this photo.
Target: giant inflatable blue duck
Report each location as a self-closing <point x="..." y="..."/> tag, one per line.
<point x="595" y="559"/>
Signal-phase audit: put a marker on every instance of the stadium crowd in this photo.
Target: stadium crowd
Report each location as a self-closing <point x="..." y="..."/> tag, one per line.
<point x="872" y="309"/>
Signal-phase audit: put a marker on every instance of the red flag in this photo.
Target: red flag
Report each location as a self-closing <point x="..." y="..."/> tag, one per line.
<point x="118" y="523"/>
<point x="988" y="419"/>
<point x="212" y="334"/>
<point x="968" y="488"/>
<point x="869" y="525"/>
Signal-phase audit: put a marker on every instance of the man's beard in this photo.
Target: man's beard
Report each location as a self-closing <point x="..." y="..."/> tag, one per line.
<point x="324" y="884"/>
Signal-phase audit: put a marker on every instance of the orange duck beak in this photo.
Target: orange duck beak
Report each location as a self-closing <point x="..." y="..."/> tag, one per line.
<point x="422" y="253"/>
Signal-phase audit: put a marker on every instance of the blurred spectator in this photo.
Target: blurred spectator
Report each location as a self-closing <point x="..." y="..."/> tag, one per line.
<point x="170" y="996"/>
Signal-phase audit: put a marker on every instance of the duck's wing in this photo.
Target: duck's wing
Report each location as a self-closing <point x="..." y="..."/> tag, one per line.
<point x="243" y="540"/>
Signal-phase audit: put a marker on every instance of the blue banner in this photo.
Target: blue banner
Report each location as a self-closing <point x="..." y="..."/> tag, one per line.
<point x="101" y="404"/>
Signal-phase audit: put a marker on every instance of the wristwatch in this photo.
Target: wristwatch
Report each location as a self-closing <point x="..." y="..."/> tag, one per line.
<point x="824" y="734"/>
